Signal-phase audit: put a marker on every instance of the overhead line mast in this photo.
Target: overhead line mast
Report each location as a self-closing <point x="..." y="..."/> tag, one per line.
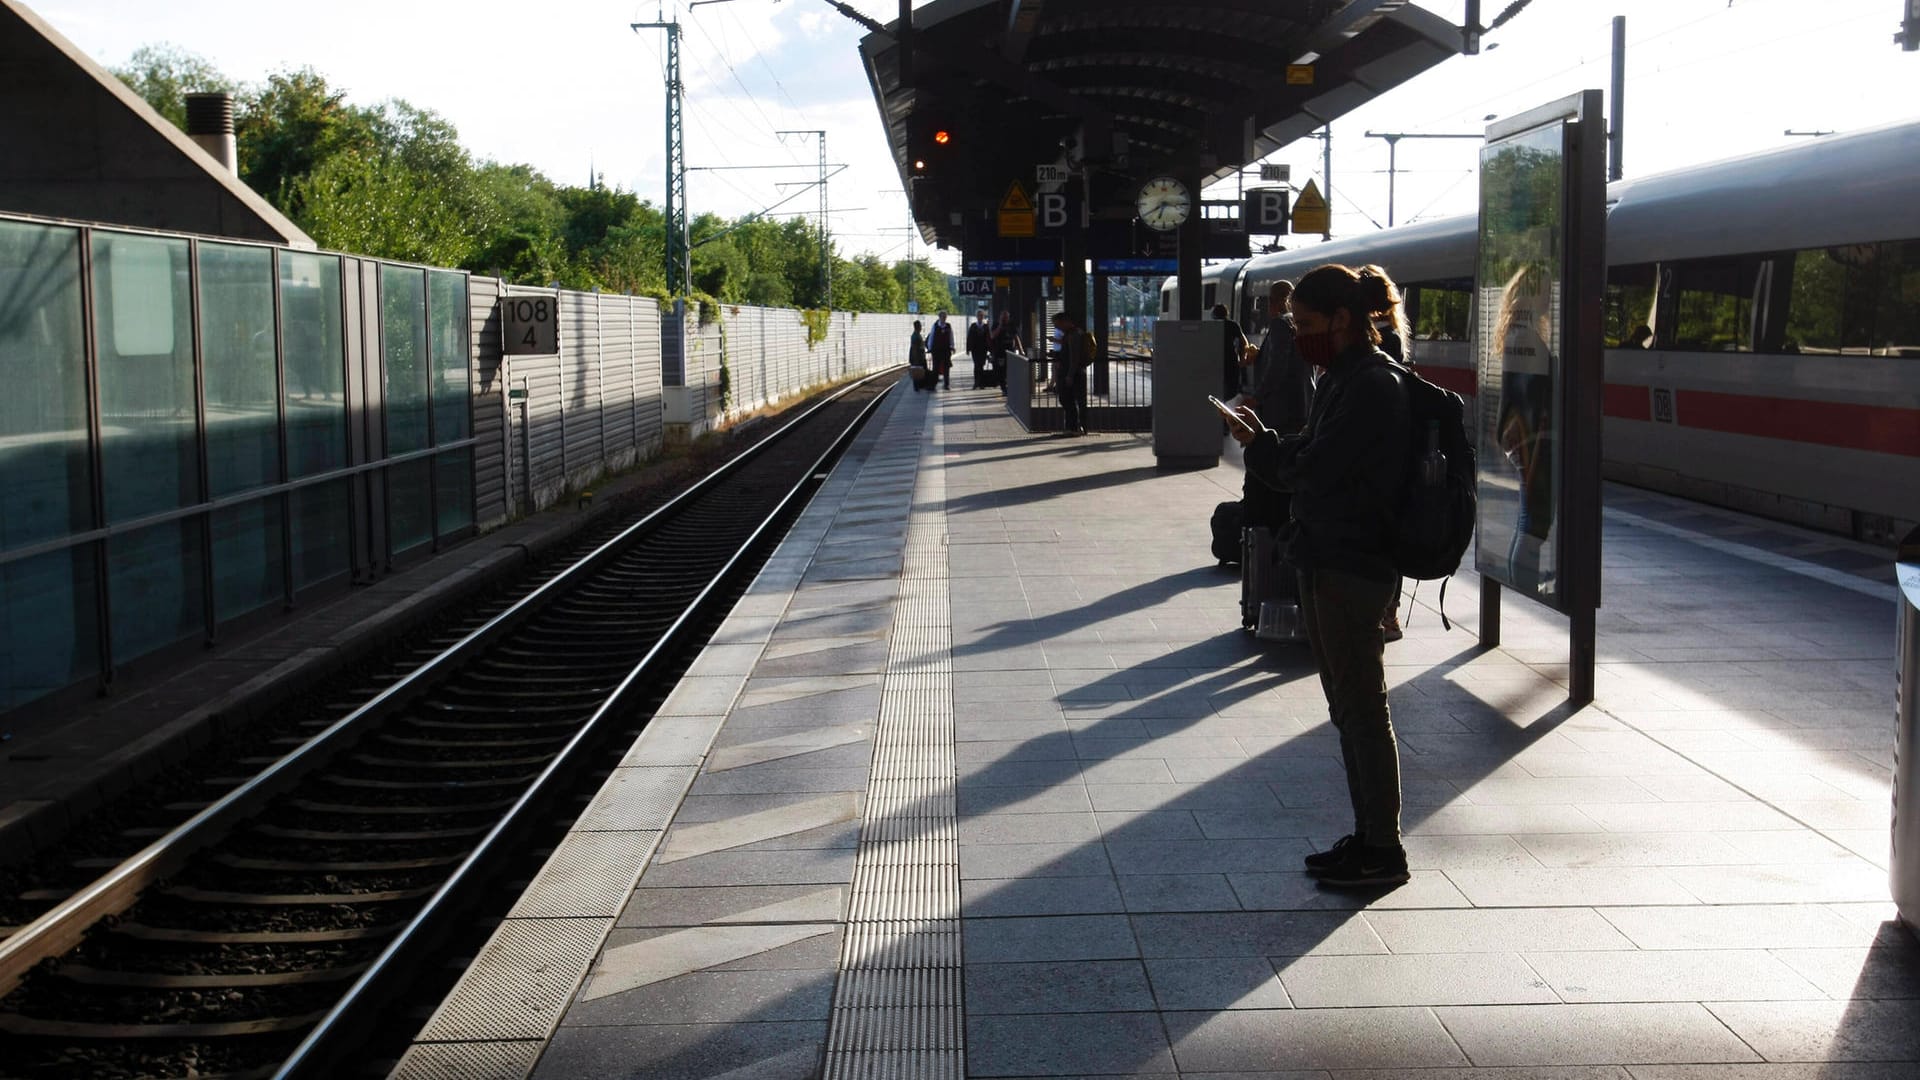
<point x="679" y="250"/>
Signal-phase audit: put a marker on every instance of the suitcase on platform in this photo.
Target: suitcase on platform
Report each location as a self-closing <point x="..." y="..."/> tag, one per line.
<point x="1269" y="589"/>
<point x="923" y="378"/>
<point x="1226" y="529"/>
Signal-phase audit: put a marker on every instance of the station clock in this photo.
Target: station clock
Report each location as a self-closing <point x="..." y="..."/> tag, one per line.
<point x="1163" y="203"/>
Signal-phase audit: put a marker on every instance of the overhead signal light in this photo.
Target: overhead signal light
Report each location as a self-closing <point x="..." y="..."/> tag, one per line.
<point x="943" y="137"/>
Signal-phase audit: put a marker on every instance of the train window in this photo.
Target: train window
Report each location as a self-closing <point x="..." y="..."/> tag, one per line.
<point x="1629" y="308"/>
<point x="1713" y="308"/>
<point x="1440" y="310"/>
<point x="1859" y="299"/>
<point x="1208" y="295"/>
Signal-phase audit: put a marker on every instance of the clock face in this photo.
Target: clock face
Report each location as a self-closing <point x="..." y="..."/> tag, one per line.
<point x="1163" y="203"/>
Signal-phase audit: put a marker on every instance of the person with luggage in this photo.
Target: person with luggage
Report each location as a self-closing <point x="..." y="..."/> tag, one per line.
<point x="917" y="359"/>
<point x="1345" y="471"/>
<point x="940" y="344"/>
<point x="979" y="345"/>
<point x="1070" y="373"/>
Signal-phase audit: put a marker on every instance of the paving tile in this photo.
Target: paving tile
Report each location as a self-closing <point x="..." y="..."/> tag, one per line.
<point x="984" y="897"/>
<point x="1033" y="860"/>
<point x="1231" y="982"/>
<point x="1825" y="1030"/>
<point x="1205" y="856"/>
<point x="1254" y="933"/>
<point x="1220" y="795"/>
<point x="1324" y="1038"/>
<point x="1066" y="937"/>
<point x="1318" y="982"/>
<point x="1823" y="882"/>
<point x="1177" y="892"/>
<point x="737" y="904"/>
<point x="1504" y="886"/>
<point x="1148" y="825"/>
<point x="1884" y="971"/>
<point x="1104" y="1044"/>
<point x="829" y="821"/>
<point x="768" y="1051"/>
<point x="1506" y="930"/>
<point x="776" y="777"/>
<point x="822" y="867"/>
<point x="1671" y="975"/>
<point x="711" y="997"/>
<point x="1078" y="828"/>
<point x="1295" y="891"/>
<point x="1592" y="1034"/>
<point x="1760" y="926"/>
<point x="1523" y="1072"/>
<point x="1829" y="1070"/>
<point x="1073" y="986"/>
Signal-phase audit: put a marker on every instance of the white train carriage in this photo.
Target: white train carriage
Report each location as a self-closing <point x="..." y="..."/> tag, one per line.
<point x="1762" y="330"/>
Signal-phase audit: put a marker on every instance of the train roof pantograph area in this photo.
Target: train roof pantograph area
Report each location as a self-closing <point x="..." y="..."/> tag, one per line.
<point x="976" y="94"/>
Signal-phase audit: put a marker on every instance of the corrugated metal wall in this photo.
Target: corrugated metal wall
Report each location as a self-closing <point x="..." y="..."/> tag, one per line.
<point x="555" y="424"/>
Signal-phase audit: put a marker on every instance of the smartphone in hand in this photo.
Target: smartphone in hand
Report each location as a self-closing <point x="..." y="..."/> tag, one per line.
<point x="1228" y="411"/>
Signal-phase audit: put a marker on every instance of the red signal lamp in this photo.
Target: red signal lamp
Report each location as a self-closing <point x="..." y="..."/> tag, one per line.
<point x="943" y="137"/>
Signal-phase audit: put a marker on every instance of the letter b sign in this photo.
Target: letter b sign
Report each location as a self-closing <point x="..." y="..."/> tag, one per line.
<point x="1054" y="213"/>
<point x="1265" y="211"/>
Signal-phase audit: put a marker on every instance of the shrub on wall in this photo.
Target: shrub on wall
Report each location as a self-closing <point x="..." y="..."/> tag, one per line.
<point x="818" y="321"/>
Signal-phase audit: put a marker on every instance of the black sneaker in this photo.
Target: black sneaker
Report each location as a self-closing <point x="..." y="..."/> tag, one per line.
<point x="1367" y="866"/>
<point x="1322" y="861"/>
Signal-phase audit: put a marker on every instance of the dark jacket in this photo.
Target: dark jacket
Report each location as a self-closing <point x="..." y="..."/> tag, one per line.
<point x="1345" y="470"/>
<point x="940" y="341"/>
<point x="979" y="338"/>
<point x="917" y="350"/>
<point x="1284" y="382"/>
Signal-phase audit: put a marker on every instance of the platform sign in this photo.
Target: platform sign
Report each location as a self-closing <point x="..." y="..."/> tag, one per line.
<point x="1265" y="211"/>
<point x="973" y="286"/>
<point x="530" y="325"/>
<point x="1536" y="343"/>
<point x="1016" y="217"/>
<point x="1299" y="74"/>
<point x="1275" y="174"/>
<point x="1050" y="174"/>
<point x="1311" y="214"/>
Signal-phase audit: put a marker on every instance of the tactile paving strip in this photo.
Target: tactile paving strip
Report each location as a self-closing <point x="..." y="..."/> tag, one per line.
<point x="467" y="1061"/>
<point x="897" y="1009"/>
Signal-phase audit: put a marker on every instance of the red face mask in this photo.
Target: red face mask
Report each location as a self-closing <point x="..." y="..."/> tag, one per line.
<point x="1316" y="348"/>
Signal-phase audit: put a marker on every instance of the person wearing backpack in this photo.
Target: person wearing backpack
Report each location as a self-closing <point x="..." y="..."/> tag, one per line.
<point x="1345" y="471"/>
<point x="1070" y="379"/>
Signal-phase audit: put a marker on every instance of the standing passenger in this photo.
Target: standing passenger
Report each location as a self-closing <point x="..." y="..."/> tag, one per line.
<point x="917" y="357"/>
<point x="940" y="344"/>
<point x="1235" y="352"/>
<point x="1345" y="472"/>
<point x="1070" y="374"/>
<point x="1006" y="346"/>
<point x="1282" y="395"/>
<point x="979" y="343"/>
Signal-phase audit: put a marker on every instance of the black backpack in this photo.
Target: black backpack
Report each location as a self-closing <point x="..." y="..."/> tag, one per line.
<point x="1434" y="522"/>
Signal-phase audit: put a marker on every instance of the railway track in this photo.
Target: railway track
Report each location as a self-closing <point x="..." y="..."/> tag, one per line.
<point x="253" y="938"/>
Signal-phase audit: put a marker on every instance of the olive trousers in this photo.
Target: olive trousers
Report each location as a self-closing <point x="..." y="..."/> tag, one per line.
<point x="1342" y="614"/>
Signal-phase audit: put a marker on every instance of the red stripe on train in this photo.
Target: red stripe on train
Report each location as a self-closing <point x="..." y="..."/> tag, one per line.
<point x="1827" y="423"/>
<point x="1875" y="428"/>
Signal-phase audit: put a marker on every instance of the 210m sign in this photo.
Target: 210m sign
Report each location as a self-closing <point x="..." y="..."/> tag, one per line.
<point x="530" y="325"/>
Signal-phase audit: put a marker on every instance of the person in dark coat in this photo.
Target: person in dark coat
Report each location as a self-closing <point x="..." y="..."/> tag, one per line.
<point x="917" y="357"/>
<point x="1006" y="346"/>
<point x="940" y="344"/>
<point x="1235" y="354"/>
<point x="1345" y="471"/>
<point x="979" y="344"/>
<point x="1282" y="394"/>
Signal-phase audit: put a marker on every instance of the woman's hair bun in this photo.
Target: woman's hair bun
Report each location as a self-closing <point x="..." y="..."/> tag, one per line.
<point x="1376" y="292"/>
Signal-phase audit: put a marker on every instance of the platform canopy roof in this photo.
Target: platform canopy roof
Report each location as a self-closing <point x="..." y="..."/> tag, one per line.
<point x="1129" y="89"/>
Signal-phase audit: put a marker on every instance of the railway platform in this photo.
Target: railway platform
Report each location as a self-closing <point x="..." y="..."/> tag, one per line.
<point x="982" y="778"/>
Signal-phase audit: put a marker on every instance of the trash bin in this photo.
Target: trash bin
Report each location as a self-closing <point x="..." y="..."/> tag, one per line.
<point x="1905" y="864"/>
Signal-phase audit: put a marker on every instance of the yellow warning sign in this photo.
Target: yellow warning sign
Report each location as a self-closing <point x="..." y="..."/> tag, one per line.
<point x="1016" y="213"/>
<point x="1310" y="211"/>
<point x="1299" y="74"/>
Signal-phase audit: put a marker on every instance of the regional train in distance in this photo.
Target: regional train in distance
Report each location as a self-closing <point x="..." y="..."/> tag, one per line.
<point x="1762" y="326"/>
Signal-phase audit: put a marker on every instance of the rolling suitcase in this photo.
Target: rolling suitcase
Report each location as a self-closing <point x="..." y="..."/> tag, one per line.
<point x="923" y="378"/>
<point x="1227" y="542"/>
<point x="1269" y="591"/>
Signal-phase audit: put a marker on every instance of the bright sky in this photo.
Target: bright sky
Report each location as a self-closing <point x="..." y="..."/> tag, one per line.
<point x="565" y="83"/>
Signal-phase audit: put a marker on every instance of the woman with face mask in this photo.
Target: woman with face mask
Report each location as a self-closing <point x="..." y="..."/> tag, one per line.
<point x="1345" y="471"/>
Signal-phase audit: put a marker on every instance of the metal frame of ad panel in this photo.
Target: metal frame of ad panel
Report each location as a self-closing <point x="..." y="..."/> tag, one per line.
<point x="1539" y="283"/>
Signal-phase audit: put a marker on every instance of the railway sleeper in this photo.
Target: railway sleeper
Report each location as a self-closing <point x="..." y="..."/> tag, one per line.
<point x="198" y="895"/>
<point x="335" y="836"/>
<point x="453" y="744"/>
<point x="379" y="762"/>
<point x="152" y="980"/>
<point x="307" y="866"/>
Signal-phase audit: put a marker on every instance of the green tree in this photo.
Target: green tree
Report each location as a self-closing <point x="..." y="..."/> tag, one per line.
<point x="165" y="74"/>
<point x="289" y="126"/>
<point x="372" y="204"/>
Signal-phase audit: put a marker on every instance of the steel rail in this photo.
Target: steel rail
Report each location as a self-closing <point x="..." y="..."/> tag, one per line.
<point x="314" y="1052"/>
<point x="62" y="927"/>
